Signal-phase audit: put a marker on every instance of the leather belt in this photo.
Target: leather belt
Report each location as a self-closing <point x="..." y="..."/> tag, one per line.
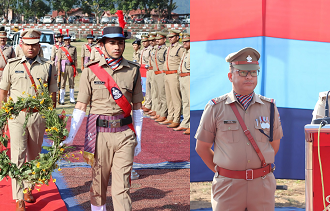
<point x="68" y="64"/>
<point x="170" y="71"/>
<point x="159" y="72"/>
<point x="184" y="74"/>
<point x="27" y="110"/>
<point x="248" y="174"/>
<point x="1" y="69"/>
<point x="114" y="123"/>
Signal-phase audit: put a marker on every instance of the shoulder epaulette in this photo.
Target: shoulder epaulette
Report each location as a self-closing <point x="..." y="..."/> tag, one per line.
<point x="323" y="95"/>
<point x="133" y="63"/>
<point x="14" y="59"/>
<point x="266" y="99"/>
<point x="217" y="100"/>
<point x="92" y="62"/>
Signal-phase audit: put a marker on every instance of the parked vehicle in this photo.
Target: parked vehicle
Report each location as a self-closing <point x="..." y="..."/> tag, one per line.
<point x="139" y="21"/>
<point x="85" y="20"/>
<point x="105" y="20"/>
<point x="129" y="21"/>
<point x="73" y="36"/>
<point x="149" y="20"/>
<point x="114" y="20"/>
<point x="59" y="19"/>
<point x="47" y="19"/>
<point x="92" y="20"/>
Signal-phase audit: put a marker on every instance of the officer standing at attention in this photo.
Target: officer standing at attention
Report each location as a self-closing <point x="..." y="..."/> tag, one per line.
<point x="97" y="50"/>
<point x="242" y="165"/>
<point x="137" y="52"/>
<point x="144" y="62"/>
<point x="86" y="50"/>
<point x="172" y="85"/>
<point x="6" y="51"/>
<point x="58" y="44"/>
<point x="16" y="79"/>
<point x="19" y="51"/>
<point x="109" y="132"/>
<point x="67" y="63"/>
<point x="184" y="73"/>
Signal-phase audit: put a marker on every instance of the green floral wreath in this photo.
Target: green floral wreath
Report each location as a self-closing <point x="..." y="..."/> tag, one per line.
<point x="37" y="171"/>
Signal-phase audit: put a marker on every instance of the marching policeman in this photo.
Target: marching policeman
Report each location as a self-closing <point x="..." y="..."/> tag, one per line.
<point x="67" y="63"/>
<point x="18" y="76"/>
<point x="159" y="75"/>
<point x="172" y="85"/>
<point x="6" y="51"/>
<point x="110" y="139"/>
<point x="58" y="44"/>
<point x="86" y="50"/>
<point x="97" y="50"/>
<point x="184" y="78"/>
<point x="137" y="52"/>
<point x="246" y="131"/>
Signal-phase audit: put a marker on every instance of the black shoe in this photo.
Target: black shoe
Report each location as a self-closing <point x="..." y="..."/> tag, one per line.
<point x="73" y="102"/>
<point x="61" y="103"/>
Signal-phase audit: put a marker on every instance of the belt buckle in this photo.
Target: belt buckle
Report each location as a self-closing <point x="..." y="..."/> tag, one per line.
<point x="272" y="167"/>
<point x="114" y="123"/>
<point x="247" y="174"/>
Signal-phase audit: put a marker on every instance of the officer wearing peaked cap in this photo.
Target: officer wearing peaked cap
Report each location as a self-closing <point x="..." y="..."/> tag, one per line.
<point x="144" y="63"/>
<point x="19" y="51"/>
<point x="97" y="50"/>
<point x="172" y="85"/>
<point x="86" y="50"/>
<point x="137" y="52"/>
<point x="241" y="164"/>
<point x="6" y="51"/>
<point x="19" y="76"/>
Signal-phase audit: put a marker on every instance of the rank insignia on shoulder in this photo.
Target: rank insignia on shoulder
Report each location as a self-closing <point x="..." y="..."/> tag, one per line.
<point x="99" y="82"/>
<point x="19" y="71"/>
<point x="212" y="102"/>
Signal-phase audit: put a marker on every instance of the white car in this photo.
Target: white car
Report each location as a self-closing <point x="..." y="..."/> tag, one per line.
<point x="105" y="19"/>
<point x="59" y="19"/>
<point x="46" y="41"/>
<point x="47" y="19"/>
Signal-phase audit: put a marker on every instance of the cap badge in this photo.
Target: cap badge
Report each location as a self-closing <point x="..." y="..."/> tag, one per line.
<point x="249" y="58"/>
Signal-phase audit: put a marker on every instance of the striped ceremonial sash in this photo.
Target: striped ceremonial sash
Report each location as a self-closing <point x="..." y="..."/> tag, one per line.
<point x="244" y="100"/>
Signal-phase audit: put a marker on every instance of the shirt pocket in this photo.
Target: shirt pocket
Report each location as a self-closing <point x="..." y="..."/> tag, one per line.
<point x="259" y="136"/>
<point x="228" y="131"/>
<point x="100" y="91"/>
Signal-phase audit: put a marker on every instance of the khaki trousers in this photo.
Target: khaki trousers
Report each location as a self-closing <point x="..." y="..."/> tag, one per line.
<point x="240" y="195"/>
<point x="114" y="153"/>
<point x="154" y="94"/>
<point x="185" y="93"/>
<point x="68" y="73"/>
<point x="148" y="100"/>
<point x="173" y="97"/>
<point x="161" y="96"/>
<point x="27" y="146"/>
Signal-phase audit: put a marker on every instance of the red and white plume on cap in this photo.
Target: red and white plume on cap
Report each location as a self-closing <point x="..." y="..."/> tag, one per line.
<point x="121" y="20"/>
<point x="61" y="31"/>
<point x="92" y="32"/>
<point x="67" y="31"/>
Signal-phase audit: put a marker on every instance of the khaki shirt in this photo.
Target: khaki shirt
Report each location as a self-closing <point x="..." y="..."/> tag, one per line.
<point x="95" y="54"/>
<point x="173" y="57"/>
<point x="72" y="51"/>
<point x="92" y="89"/>
<point x="84" y="50"/>
<point x="136" y="56"/>
<point x="185" y="62"/>
<point x="16" y="79"/>
<point x="232" y="149"/>
<point x="8" y="53"/>
<point x="145" y="56"/>
<point x="319" y="110"/>
<point x="19" y="52"/>
<point x="161" y="57"/>
<point x="152" y="59"/>
<point x="55" y="50"/>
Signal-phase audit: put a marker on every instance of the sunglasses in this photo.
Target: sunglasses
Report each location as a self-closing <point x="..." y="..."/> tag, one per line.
<point x="244" y="73"/>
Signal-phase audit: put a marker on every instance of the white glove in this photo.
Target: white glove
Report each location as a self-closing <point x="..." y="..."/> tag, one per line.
<point x="76" y="120"/>
<point x="138" y="120"/>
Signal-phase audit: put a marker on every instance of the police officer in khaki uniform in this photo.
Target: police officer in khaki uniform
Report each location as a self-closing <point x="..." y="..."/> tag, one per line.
<point x="144" y="61"/>
<point x="67" y="68"/>
<point x="55" y="47"/>
<point x="15" y="78"/>
<point x="137" y="52"/>
<point x="6" y="51"/>
<point x="19" y="51"/>
<point x="159" y="77"/>
<point x="86" y="50"/>
<point x="240" y="182"/>
<point x="184" y="78"/>
<point x="97" y="50"/>
<point x="172" y="85"/>
<point x="115" y="140"/>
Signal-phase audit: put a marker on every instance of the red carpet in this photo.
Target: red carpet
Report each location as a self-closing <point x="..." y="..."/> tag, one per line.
<point x="47" y="199"/>
<point x="159" y="144"/>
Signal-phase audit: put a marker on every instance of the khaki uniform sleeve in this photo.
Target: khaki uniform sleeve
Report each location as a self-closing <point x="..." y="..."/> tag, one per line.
<point x="41" y="53"/>
<point x="53" y="52"/>
<point x="137" y="93"/>
<point x="83" y="50"/>
<point x="93" y="54"/>
<point x="278" y="132"/>
<point x="180" y="52"/>
<point x="53" y="80"/>
<point x="59" y="55"/>
<point x="75" y="55"/>
<point x="85" y="89"/>
<point x="5" y="79"/>
<point x="17" y="50"/>
<point x="13" y="55"/>
<point x="207" y="127"/>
